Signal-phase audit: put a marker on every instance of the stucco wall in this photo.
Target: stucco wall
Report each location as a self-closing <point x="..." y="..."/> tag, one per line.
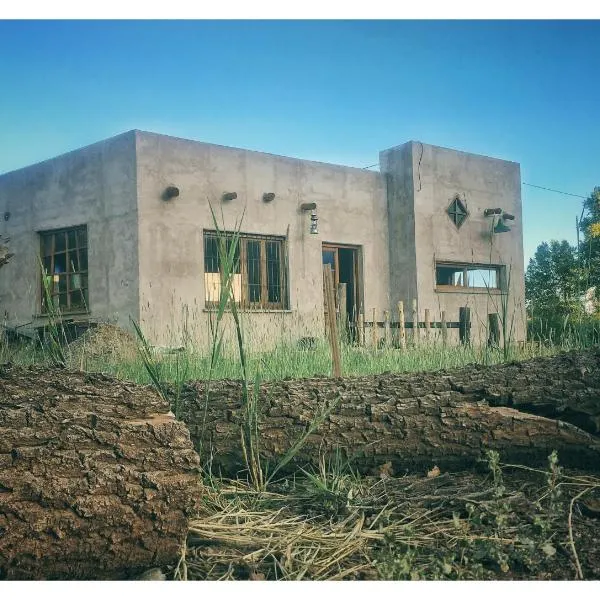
<point x="438" y="174"/>
<point x="351" y="209"/>
<point x="93" y="186"/>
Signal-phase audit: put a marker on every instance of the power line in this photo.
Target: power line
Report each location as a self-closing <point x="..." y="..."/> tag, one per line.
<point x="555" y="191"/>
<point x="539" y="187"/>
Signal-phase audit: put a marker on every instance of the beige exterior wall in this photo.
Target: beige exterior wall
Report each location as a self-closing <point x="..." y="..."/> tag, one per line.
<point x="93" y="186"/>
<point x="351" y="206"/>
<point x="146" y="254"/>
<point x="436" y="175"/>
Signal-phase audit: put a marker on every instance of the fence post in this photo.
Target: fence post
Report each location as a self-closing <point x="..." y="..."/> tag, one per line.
<point x="374" y="331"/>
<point x="493" y="330"/>
<point x="464" y="329"/>
<point x="427" y="324"/>
<point x="401" y="326"/>
<point x="444" y="328"/>
<point x="387" y="329"/>
<point x="342" y="311"/>
<point x="415" y="322"/>
<point x="334" y="340"/>
<point x="361" y="329"/>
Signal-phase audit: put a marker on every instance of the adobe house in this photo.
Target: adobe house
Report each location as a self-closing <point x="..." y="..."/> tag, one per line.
<point x="123" y="228"/>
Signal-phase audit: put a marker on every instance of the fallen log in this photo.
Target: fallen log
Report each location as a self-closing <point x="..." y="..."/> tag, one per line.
<point x="97" y="479"/>
<point x="448" y="418"/>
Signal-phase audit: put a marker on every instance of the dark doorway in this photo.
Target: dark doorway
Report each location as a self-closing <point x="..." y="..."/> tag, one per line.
<point x="344" y="265"/>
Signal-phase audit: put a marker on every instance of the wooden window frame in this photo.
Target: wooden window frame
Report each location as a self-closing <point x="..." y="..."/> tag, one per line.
<point x="244" y="302"/>
<point x="466" y="267"/>
<point x="68" y="274"/>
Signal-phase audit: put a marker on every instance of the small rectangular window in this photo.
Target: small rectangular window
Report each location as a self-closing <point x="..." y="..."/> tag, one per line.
<point x="65" y="270"/>
<point x="259" y="277"/>
<point x="470" y="276"/>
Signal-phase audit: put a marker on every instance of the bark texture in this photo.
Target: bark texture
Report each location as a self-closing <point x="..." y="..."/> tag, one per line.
<point x="97" y="479"/>
<point x="448" y="418"/>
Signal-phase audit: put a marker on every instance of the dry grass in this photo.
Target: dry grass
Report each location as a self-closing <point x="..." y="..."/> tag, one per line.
<point x="450" y="526"/>
<point x="101" y="345"/>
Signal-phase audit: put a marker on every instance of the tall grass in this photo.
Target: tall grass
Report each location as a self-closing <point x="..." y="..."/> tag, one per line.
<point x="287" y="360"/>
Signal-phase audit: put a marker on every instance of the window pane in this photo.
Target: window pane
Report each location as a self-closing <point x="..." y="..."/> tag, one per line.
<point x="211" y="258"/>
<point x="77" y="300"/>
<point x="253" y="268"/>
<point x="236" y="255"/>
<point x="60" y="283"/>
<point x="60" y="301"/>
<point x="476" y="277"/>
<point x="60" y="263"/>
<point x="60" y="242"/>
<point x="485" y="278"/>
<point x="72" y="239"/>
<point x="47" y="262"/>
<point x="82" y="237"/>
<point x="47" y="244"/>
<point x="73" y="261"/>
<point x="274" y="271"/>
<point x="83" y="259"/>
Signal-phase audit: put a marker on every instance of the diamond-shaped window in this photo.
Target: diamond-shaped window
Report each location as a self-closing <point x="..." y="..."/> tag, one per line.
<point x="457" y="212"/>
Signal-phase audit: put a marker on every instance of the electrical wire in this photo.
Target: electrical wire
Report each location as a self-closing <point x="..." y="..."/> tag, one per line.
<point x="555" y="191"/>
<point x="539" y="187"/>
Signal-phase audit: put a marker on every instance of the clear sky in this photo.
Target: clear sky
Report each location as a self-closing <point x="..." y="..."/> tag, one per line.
<point x="334" y="91"/>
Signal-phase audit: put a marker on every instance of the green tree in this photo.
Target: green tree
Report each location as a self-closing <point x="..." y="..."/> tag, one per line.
<point x="589" y="247"/>
<point x="553" y="284"/>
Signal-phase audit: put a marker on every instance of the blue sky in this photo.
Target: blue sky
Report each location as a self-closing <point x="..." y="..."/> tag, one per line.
<point x="335" y="91"/>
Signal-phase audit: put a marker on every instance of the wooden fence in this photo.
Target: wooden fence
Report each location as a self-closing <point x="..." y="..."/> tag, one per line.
<point x="416" y="330"/>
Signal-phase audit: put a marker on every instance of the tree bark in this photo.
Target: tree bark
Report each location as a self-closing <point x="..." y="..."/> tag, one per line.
<point x="448" y="418"/>
<point x="97" y="479"/>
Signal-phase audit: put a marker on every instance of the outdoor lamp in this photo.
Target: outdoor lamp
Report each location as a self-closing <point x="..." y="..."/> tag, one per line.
<point x="314" y="222"/>
<point x="501" y="227"/>
<point x="314" y="219"/>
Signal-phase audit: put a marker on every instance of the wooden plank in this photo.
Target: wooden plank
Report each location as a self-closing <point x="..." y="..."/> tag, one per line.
<point x="464" y="318"/>
<point x="334" y="341"/>
<point x="342" y="312"/>
<point x="402" y="328"/>
<point x="493" y="330"/>
<point x="374" y="332"/>
<point x="415" y="320"/>
<point x="361" y="329"/>
<point x="444" y="328"/>
<point x="387" y="330"/>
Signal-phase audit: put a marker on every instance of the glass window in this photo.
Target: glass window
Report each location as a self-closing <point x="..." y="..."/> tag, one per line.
<point x="468" y="276"/>
<point x="259" y="273"/>
<point x="65" y="265"/>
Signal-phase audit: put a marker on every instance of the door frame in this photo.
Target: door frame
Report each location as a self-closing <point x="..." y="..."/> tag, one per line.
<point x="356" y="272"/>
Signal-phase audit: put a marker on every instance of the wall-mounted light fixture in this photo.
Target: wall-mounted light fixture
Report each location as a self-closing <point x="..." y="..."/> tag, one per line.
<point x="314" y="219"/>
<point x="229" y="195"/>
<point x="501" y="227"/>
<point x="170" y="192"/>
<point x="268" y="196"/>
<point x="488" y="212"/>
<point x="6" y="216"/>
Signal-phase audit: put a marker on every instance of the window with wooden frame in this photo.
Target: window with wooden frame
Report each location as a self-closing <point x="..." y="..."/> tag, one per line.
<point x="460" y="277"/>
<point x="259" y="271"/>
<point x="64" y="254"/>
